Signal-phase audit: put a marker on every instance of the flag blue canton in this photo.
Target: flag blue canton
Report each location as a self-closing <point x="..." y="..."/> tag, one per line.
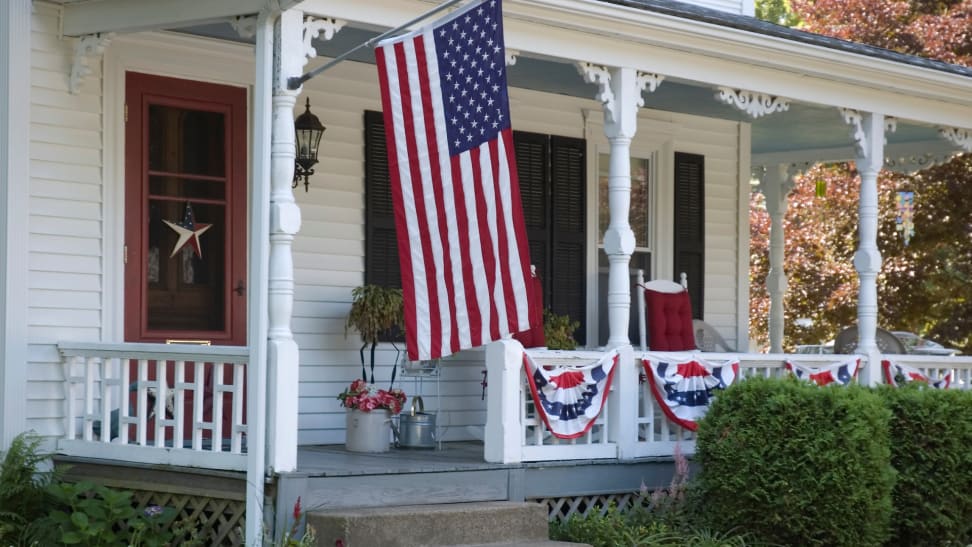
<point x="472" y="73"/>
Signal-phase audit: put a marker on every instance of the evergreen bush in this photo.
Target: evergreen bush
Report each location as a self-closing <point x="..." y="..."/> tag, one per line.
<point x="931" y="449"/>
<point x="795" y="464"/>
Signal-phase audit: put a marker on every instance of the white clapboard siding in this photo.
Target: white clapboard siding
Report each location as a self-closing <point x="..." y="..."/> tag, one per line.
<point x="65" y="263"/>
<point x="717" y="140"/>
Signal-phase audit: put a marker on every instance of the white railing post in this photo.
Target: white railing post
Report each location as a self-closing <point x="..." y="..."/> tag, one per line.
<point x="622" y="405"/>
<point x="503" y="437"/>
<point x="642" y="324"/>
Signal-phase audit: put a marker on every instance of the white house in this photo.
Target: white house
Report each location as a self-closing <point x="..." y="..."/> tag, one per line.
<point x="146" y="169"/>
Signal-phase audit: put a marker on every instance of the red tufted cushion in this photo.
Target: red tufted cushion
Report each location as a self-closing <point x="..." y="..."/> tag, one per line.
<point x="669" y="321"/>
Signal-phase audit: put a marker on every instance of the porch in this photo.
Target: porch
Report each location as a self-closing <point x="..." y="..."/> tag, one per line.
<point x="631" y="443"/>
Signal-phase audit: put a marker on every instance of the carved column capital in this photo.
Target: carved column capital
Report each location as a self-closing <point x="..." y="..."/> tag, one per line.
<point x="754" y="103"/>
<point x="957" y="136"/>
<point x="611" y="93"/>
<point x="89" y="45"/>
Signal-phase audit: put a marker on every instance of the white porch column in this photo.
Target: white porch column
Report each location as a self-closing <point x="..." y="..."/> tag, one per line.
<point x="775" y="184"/>
<point x="14" y="220"/>
<point x="620" y="91"/>
<point x="869" y="136"/>
<point x="282" y="351"/>
<point x="257" y="302"/>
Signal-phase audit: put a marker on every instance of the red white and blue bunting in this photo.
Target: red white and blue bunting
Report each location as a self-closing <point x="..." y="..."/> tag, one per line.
<point x="896" y="374"/>
<point x="569" y="398"/>
<point x="684" y="384"/>
<point x="840" y="373"/>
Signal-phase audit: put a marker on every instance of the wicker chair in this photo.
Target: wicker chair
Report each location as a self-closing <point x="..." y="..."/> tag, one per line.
<point x="846" y="342"/>
<point x="707" y="338"/>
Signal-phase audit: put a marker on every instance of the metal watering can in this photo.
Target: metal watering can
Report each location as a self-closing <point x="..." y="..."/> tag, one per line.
<point x="417" y="428"/>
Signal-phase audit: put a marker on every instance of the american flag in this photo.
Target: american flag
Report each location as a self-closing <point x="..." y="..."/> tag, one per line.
<point x="461" y="236"/>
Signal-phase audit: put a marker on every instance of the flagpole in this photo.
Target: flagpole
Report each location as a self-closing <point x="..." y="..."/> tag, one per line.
<point x="296" y="81"/>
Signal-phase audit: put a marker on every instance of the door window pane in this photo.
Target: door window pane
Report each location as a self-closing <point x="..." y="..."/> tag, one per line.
<point x="186" y="288"/>
<point x="186" y="141"/>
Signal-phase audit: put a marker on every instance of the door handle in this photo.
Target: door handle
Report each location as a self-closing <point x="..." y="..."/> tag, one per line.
<point x="240" y="288"/>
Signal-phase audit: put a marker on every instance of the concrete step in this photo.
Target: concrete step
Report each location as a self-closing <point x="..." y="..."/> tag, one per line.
<point x="497" y="524"/>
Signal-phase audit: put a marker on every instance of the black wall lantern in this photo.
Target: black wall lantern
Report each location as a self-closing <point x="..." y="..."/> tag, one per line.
<point x="309" y="132"/>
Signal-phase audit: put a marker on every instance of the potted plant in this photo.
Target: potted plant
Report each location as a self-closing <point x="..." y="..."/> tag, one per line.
<point x="369" y="415"/>
<point x="376" y="311"/>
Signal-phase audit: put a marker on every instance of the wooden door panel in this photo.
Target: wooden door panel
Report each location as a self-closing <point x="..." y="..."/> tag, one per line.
<point x="185" y="210"/>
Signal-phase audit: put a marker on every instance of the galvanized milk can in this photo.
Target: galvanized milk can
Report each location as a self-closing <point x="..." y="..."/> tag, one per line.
<point x="416" y="429"/>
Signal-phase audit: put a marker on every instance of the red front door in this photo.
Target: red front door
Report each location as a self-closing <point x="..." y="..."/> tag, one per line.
<point x="185" y="211"/>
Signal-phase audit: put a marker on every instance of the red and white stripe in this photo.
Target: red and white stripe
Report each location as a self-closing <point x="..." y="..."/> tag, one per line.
<point x="461" y="234"/>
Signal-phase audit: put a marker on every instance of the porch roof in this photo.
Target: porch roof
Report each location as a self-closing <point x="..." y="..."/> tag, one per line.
<point x="751" y="24"/>
<point x="696" y="48"/>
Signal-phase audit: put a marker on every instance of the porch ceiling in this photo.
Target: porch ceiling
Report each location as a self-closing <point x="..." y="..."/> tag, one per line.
<point x="806" y="132"/>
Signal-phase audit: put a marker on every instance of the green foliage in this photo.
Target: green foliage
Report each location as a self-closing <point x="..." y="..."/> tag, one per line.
<point x="93" y="515"/>
<point x="656" y="518"/>
<point x="611" y="529"/>
<point x="776" y="11"/>
<point x="375" y="310"/>
<point x="795" y="464"/>
<point x="22" y="488"/>
<point x="931" y="432"/>
<point x="558" y="330"/>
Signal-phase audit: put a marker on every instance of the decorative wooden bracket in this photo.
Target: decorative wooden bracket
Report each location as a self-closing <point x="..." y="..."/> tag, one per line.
<point x="601" y="76"/>
<point x="314" y="28"/>
<point x="957" y="136"/>
<point x="89" y="45"/>
<point x="754" y="103"/>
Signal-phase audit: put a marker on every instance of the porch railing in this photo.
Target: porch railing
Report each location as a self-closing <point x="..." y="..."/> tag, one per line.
<point x="154" y="403"/>
<point x="632" y="424"/>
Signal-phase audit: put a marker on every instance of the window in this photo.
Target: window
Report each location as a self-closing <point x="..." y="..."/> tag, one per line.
<point x="638" y="218"/>
<point x="552" y="178"/>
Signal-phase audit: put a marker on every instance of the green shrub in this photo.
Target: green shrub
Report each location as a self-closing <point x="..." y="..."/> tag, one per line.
<point x="558" y="330"/>
<point x="613" y="529"/>
<point x="931" y="449"/>
<point x="22" y="489"/>
<point x="795" y="464"/>
<point x="89" y="514"/>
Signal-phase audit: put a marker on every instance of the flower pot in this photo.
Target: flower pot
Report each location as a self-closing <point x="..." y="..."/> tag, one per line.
<point x="368" y="431"/>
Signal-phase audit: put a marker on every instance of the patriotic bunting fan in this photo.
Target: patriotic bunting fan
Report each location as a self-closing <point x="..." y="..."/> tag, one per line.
<point x="896" y="374"/>
<point x="684" y="386"/>
<point x="840" y="373"/>
<point x="569" y="398"/>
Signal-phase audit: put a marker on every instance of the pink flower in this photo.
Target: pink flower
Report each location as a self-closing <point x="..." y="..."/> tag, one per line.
<point x="367" y="397"/>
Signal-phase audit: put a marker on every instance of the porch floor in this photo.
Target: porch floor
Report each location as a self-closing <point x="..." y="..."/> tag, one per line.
<point x="336" y="461"/>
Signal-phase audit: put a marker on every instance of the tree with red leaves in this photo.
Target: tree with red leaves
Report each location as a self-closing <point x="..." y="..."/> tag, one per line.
<point x="923" y="287"/>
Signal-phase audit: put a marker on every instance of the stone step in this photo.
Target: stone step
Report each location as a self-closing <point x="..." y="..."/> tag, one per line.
<point x="497" y="524"/>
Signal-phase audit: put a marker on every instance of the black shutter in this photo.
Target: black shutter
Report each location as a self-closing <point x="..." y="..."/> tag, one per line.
<point x="690" y="226"/>
<point x="568" y="219"/>
<point x="533" y="169"/>
<point x="381" y="244"/>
